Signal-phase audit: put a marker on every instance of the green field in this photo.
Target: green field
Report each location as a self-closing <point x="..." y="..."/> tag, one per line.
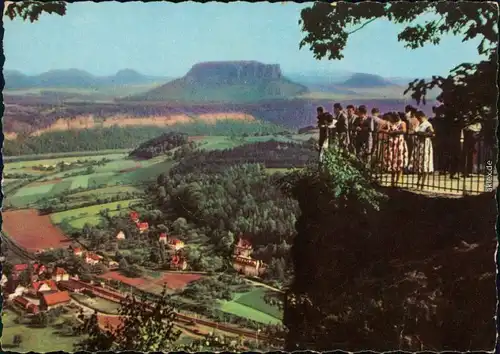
<point x="105" y="192"/>
<point x="34" y="339"/>
<point x="34" y="190"/>
<point x="79" y="217"/>
<point x="252" y="305"/>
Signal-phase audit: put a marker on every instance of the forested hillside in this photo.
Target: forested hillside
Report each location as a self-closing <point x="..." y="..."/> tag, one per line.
<point x="271" y="154"/>
<point x="117" y="137"/>
<point x="159" y="145"/>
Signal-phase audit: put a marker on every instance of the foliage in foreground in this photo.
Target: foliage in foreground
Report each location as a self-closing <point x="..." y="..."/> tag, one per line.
<point x="144" y="327"/>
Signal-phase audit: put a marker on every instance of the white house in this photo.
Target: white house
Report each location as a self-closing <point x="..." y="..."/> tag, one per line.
<point x="120" y="236"/>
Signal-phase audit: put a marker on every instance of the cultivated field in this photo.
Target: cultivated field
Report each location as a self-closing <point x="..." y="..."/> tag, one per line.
<point x="32" y="231"/>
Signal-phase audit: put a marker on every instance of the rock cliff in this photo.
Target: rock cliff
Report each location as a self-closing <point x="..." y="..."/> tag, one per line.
<point x="233" y="72"/>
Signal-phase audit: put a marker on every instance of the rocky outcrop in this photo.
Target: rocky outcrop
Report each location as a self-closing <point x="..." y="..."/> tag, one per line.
<point x="233" y="72"/>
<point x="417" y="275"/>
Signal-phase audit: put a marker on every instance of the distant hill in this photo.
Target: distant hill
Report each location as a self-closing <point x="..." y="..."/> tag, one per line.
<point x="360" y="80"/>
<point x="75" y="78"/>
<point x="226" y="81"/>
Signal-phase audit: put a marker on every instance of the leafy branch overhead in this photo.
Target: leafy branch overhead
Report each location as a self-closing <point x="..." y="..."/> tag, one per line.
<point x="33" y="9"/>
<point x="470" y="87"/>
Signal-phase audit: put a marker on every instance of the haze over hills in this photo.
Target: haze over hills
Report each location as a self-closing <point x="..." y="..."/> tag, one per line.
<point x="75" y="78"/>
<point x="226" y="81"/>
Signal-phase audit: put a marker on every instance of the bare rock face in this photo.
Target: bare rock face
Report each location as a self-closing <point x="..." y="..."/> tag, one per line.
<point x="233" y="72"/>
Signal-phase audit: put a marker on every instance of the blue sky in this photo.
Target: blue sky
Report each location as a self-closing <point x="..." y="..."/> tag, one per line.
<point x="166" y="39"/>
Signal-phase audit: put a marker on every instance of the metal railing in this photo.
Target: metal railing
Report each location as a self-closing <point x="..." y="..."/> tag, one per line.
<point x="460" y="165"/>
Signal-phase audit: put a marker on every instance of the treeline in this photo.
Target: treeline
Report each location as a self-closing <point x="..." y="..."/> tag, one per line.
<point x="125" y="137"/>
<point x="272" y="154"/>
<point x="159" y="145"/>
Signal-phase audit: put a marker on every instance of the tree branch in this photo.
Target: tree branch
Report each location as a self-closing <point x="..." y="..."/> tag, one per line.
<point x="362" y="26"/>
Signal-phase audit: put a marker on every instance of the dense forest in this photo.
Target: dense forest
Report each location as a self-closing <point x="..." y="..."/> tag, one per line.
<point x="159" y="145"/>
<point x="237" y="200"/>
<point x="272" y="154"/>
<point x="125" y="137"/>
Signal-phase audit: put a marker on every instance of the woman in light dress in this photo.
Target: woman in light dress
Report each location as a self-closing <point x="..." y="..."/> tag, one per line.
<point x="423" y="163"/>
<point x="396" y="150"/>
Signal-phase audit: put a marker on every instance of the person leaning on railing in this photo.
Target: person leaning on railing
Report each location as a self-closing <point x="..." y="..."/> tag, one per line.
<point x="423" y="162"/>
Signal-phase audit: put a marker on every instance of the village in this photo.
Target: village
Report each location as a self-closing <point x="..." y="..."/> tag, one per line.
<point x="33" y="289"/>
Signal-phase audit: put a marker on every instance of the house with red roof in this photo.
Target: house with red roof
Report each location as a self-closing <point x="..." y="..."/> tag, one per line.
<point x="39" y="269"/>
<point x="142" y="226"/>
<point x="178" y="263"/>
<point x="77" y="251"/>
<point x="33" y="308"/>
<point x="60" y="274"/>
<point x="175" y="244"/>
<point x="134" y="216"/>
<point x="71" y="285"/>
<point x="51" y="300"/>
<point x="44" y="286"/>
<point x="163" y="238"/>
<point x="21" y="302"/>
<point x="92" y="258"/>
<point x="17" y="269"/>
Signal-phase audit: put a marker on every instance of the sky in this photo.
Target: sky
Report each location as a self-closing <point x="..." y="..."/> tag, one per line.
<point x="166" y="39"/>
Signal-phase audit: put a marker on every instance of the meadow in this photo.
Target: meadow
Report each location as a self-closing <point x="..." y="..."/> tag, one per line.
<point x="34" y="339"/>
<point x="251" y="305"/>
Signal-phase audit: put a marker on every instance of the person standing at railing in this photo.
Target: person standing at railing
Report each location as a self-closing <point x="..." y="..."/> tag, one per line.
<point x="396" y="150"/>
<point x="364" y="127"/>
<point x="342" y="126"/>
<point x="324" y="120"/>
<point x="381" y="126"/>
<point x="351" y="121"/>
<point x="412" y="125"/>
<point x="423" y="151"/>
<point x="472" y="132"/>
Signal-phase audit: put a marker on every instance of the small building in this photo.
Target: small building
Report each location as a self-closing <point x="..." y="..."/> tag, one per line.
<point x="4" y="280"/>
<point x="120" y="236"/>
<point x="21" y="302"/>
<point x="248" y="266"/>
<point x="33" y="308"/>
<point x="163" y="238"/>
<point x="142" y="226"/>
<point x="60" y="274"/>
<point x="44" y="286"/>
<point x="71" y="285"/>
<point x="39" y="269"/>
<point x="77" y="251"/>
<point x="51" y="300"/>
<point x="134" y="216"/>
<point x="243" y="248"/>
<point x="111" y="264"/>
<point x="17" y="269"/>
<point x="175" y="244"/>
<point x="20" y="267"/>
<point x="92" y="258"/>
<point x="178" y="263"/>
<point x="19" y="290"/>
